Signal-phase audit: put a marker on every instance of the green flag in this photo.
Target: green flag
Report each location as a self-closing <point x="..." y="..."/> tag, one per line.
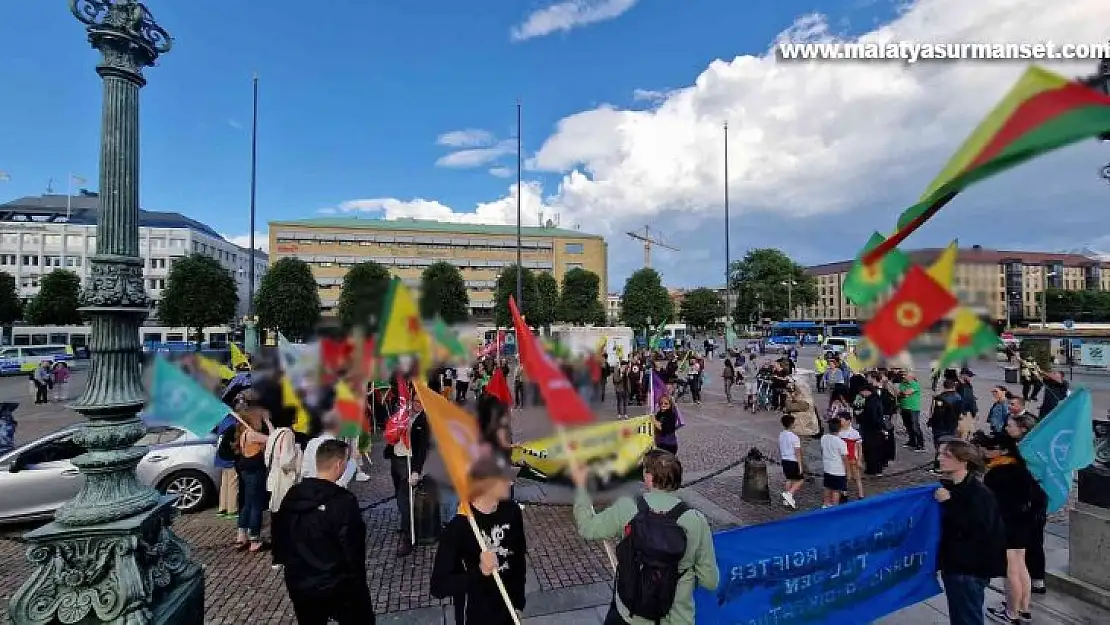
<point x="865" y="283"/>
<point x="968" y="338"/>
<point x="653" y="338"/>
<point x="447" y="339"/>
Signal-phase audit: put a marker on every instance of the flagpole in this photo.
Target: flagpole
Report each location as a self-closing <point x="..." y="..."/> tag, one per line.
<point x="254" y="187"/>
<point x="412" y="519"/>
<point x="519" y="192"/>
<point x="69" y="195"/>
<point x="496" y="574"/>
<point x="728" y="252"/>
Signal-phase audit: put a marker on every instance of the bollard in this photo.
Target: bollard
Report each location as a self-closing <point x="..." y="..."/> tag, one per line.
<point x="425" y="510"/>
<point x="755" y="488"/>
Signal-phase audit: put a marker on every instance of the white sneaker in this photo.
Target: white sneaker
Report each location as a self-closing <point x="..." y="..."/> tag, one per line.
<point x="788" y="500"/>
<point x="362" y="477"/>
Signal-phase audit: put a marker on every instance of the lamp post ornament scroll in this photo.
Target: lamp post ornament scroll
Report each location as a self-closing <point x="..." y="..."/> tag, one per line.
<point x="110" y="556"/>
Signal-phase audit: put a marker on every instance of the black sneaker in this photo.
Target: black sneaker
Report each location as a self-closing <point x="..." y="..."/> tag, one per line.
<point x="1002" y="615"/>
<point x="1038" y="587"/>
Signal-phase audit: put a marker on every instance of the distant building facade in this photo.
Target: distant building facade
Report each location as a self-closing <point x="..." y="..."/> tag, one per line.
<point x="37" y="237"/>
<point x="331" y="246"/>
<point x="613" y="308"/>
<point x="1007" y="286"/>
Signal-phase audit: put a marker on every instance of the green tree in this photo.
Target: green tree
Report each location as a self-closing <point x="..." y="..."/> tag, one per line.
<point x="443" y="293"/>
<point x="11" y="307"/>
<point x="199" y="293"/>
<point x="506" y="286"/>
<point x="766" y="282"/>
<point x="57" y="301"/>
<point x="645" y="302"/>
<point x="701" y="308"/>
<point x="546" y="310"/>
<point x="1084" y="306"/>
<point x="580" y="301"/>
<point x="288" y="300"/>
<point x="363" y="296"/>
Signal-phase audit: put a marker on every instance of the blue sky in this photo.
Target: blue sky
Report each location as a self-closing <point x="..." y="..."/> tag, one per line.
<point x="354" y="97"/>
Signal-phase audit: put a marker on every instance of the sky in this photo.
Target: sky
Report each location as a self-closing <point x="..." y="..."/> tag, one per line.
<point x="371" y="108"/>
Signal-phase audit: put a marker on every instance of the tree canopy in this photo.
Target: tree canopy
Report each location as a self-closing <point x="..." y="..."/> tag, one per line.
<point x="701" y="308"/>
<point x="11" y="307"/>
<point x="57" y="301"/>
<point x="1082" y="306"/>
<point x="760" y="281"/>
<point x="645" y="301"/>
<point x="580" y="300"/>
<point x="199" y="293"/>
<point x="506" y="286"/>
<point x="443" y="292"/>
<point x="364" y="290"/>
<point x="546" y="310"/>
<point x="287" y="299"/>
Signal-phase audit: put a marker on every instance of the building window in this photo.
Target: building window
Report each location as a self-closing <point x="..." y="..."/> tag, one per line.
<point x="74" y="240"/>
<point x="30" y="239"/>
<point x="30" y="261"/>
<point x="7" y="259"/>
<point x="73" y="261"/>
<point x="51" y="261"/>
<point x="158" y="263"/>
<point x="52" y="239"/>
<point x="573" y="248"/>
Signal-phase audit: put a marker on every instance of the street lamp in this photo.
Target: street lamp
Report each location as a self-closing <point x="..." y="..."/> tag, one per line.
<point x="1044" y="299"/>
<point x="110" y="554"/>
<point x="789" y="284"/>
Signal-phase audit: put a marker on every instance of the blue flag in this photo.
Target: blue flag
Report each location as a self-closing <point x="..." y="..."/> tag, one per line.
<point x="844" y="565"/>
<point x="1061" y="444"/>
<point x="177" y="399"/>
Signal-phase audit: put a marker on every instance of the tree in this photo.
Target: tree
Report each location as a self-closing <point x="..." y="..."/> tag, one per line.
<point x="760" y="281"/>
<point x="11" y="308"/>
<point x="701" y="308"/>
<point x="363" y="296"/>
<point x="443" y="293"/>
<point x="288" y="300"/>
<point x="546" y="310"/>
<point x="57" y="301"/>
<point x="645" y="301"/>
<point x="199" y="293"/>
<point x="580" y="302"/>
<point x="506" y="286"/>
<point x="1083" y="306"/>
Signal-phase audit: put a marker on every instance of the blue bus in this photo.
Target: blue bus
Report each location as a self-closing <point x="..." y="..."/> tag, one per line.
<point x="788" y="332"/>
<point x="845" y="330"/>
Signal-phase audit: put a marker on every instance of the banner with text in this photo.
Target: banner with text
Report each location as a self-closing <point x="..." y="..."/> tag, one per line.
<point x="839" y="566"/>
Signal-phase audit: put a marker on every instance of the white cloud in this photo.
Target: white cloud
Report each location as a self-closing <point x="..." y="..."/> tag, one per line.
<point x="501" y="172"/>
<point x="476" y="157"/>
<point x="261" y="240"/>
<point x="820" y="154"/>
<point x="234" y="124"/>
<point x="649" y="95"/>
<point x="502" y="211"/>
<point x="568" y="15"/>
<point x="466" y="138"/>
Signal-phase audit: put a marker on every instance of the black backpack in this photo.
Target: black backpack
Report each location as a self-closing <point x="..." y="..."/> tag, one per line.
<point x="647" y="560"/>
<point x="225" y="446"/>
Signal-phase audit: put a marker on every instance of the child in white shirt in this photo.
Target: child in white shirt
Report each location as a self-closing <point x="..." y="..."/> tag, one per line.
<point x="834" y="458"/>
<point x="852" y="438"/>
<point x="790" y="456"/>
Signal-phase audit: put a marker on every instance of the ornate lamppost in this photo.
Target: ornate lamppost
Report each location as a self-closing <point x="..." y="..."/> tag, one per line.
<point x="110" y="555"/>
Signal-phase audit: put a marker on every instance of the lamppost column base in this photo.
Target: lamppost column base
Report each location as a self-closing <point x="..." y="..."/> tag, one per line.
<point x="134" y="571"/>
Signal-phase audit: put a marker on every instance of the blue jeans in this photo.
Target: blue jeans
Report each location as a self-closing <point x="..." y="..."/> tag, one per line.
<point x="252" y="485"/>
<point x="965" y="594"/>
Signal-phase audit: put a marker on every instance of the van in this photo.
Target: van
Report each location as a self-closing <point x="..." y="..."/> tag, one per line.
<point x="24" y="359"/>
<point x="840" y="344"/>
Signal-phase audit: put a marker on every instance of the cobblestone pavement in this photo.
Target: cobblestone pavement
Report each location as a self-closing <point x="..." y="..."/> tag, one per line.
<point x="716" y="435"/>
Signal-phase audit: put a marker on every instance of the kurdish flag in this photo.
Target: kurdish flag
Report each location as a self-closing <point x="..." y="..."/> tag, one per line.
<point x="943" y="270"/>
<point x="917" y="304"/>
<point x="403" y="332"/>
<point x="1042" y="112"/>
<point x="865" y="282"/>
<point x="351" y="410"/>
<point x="968" y="338"/>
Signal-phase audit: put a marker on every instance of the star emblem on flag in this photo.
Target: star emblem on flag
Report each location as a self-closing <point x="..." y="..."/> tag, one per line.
<point x="413" y="325"/>
<point x="908" y="314"/>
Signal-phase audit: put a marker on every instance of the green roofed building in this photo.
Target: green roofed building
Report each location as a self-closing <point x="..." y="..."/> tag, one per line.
<point x="331" y="245"/>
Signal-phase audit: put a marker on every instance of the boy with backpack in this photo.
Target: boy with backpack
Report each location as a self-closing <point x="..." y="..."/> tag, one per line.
<point x="665" y="546"/>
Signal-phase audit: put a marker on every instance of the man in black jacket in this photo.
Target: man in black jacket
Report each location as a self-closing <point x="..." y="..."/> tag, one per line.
<point x="406" y="463"/>
<point x="320" y="537"/>
<point x="1055" y="390"/>
<point x="945" y="417"/>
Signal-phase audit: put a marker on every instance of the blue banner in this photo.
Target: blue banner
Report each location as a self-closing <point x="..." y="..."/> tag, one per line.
<point x="845" y="565"/>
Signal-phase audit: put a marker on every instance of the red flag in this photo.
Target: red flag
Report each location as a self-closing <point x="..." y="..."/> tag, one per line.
<point x="919" y="303"/>
<point x="564" y="405"/>
<point x="499" y="387"/>
<point x="335" y="355"/>
<point x="397" y="428"/>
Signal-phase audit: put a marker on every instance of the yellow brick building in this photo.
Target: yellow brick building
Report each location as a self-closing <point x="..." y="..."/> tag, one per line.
<point x="406" y="247"/>
<point x="985" y="280"/>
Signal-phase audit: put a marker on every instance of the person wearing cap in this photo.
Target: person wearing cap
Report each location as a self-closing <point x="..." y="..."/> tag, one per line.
<point x="463" y="569"/>
<point x="944" y="417"/>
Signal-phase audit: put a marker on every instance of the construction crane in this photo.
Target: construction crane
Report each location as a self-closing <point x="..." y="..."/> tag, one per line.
<point x="649" y="241"/>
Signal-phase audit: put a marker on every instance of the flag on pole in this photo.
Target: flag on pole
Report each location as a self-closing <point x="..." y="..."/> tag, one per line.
<point x="1061" y="444"/>
<point x="77" y="179"/>
<point x="564" y="405"/>
<point x="457" y="440"/>
<point x="499" y="387"/>
<point x="402" y="332"/>
<point x="866" y="282"/>
<point x="447" y="340"/>
<point x="177" y="399"/>
<point x="302" y="422"/>
<point x="943" y="270"/>
<point x="658" y="391"/>
<point x="1042" y="112"/>
<point x="918" y="303"/>
<point x="351" y="410"/>
<point x="968" y="338"/>
<point x="238" y="358"/>
<point x="213" y="369"/>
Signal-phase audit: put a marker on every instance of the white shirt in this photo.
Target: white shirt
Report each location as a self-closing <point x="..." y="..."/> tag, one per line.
<point x="788" y="445"/>
<point x="462" y="375"/>
<point x="833" y="450"/>
<point x="308" y="464"/>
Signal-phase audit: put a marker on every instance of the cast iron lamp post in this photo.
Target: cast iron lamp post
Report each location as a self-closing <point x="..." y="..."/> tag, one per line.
<point x="110" y="555"/>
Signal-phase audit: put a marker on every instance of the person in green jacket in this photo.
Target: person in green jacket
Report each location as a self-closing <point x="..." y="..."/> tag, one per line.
<point x="662" y="476"/>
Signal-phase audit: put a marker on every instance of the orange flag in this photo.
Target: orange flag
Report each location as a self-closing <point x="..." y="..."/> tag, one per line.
<point x="456" y="435"/>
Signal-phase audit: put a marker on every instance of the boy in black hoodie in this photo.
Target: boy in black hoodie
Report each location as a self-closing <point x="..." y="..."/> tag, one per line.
<point x="320" y="537"/>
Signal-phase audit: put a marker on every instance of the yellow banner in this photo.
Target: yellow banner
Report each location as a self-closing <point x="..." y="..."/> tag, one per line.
<point x="612" y="450"/>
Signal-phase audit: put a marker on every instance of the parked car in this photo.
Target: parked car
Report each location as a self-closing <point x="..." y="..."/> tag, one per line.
<point x="37" y="478"/>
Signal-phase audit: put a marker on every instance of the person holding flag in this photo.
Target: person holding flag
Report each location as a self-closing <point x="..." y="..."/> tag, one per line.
<point x="406" y="438"/>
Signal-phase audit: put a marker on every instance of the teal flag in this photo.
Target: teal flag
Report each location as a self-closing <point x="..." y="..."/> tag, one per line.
<point x="177" y="399"/>
<point x="1061" y="444"/>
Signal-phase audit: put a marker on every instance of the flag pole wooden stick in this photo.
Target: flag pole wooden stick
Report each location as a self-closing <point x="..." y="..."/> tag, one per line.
<point x="412" y="507"/>
<point x="496" y="574"/>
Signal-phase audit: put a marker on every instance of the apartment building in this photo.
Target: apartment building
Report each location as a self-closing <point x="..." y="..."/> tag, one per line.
<point x="1007" y="286"/>
<point x="331" y="246"/>
<point x="48" y="232"/>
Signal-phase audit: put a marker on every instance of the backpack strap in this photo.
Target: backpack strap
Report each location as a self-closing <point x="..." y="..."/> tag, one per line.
<point x="678" y="510"/>
<point x="642" y="505"/>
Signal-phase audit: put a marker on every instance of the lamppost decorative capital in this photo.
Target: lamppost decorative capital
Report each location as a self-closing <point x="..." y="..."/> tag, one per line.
<point x="125" y="32"/>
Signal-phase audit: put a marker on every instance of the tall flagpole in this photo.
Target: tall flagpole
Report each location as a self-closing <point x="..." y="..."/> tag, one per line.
<point x="254" y="187"/>
<point x="519" y="192"/>
<point x="69" y="195"/>
<point x="728" y="253"/>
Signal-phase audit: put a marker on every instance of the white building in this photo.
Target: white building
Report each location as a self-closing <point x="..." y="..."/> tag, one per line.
<point x="613" y="308"/>
<point x="36" y="237"/>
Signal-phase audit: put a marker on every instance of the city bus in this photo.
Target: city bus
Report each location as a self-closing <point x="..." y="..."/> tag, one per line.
<point x="846" y="330"/>
<point x="788" y="332"/>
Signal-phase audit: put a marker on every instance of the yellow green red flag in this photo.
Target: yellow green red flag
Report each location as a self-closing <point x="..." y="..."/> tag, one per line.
<point x="968" y="338"/>
<point x="866" y="282"/>
<point x="1042" y="112"/>
<point x="943" y="269"/>
<point x="403" y="332"/>
<point x="238" y="357"/>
